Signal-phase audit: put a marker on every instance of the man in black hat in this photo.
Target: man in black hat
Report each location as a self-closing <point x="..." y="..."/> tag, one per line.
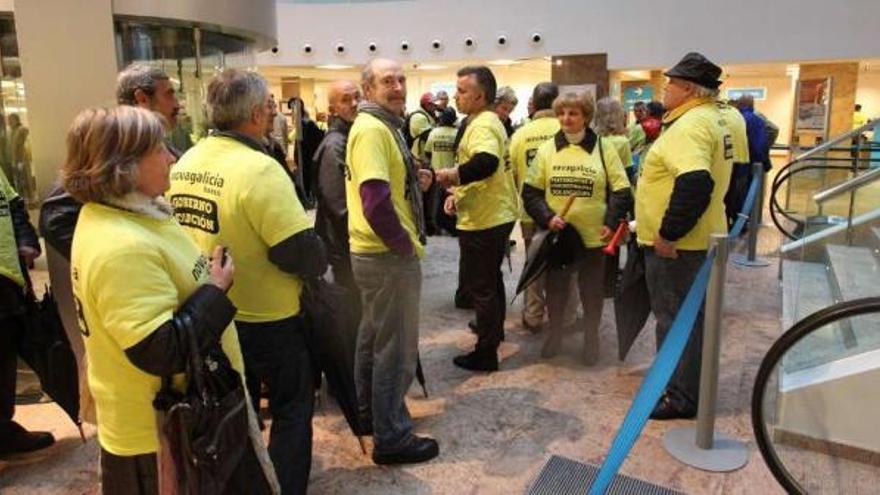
<point x="679" y="204"/>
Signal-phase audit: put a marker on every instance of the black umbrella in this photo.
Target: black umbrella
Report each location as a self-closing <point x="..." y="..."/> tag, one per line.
<point x="539" y="253"/>
<point x="45" y="348"/>
<point x="332" y="329"/>
<point x="632" y="304"/>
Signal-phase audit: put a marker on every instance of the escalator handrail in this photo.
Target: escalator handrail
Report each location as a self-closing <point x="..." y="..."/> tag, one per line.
<point x="791" y="337"/>
<point x="783" y="175"/>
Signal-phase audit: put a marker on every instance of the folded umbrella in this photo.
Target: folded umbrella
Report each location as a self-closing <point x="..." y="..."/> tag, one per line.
<point x="332" y="335"/>
<point x="45" y="348"/>
<point x="632" y="304"/>
<point x="539" y="252"/>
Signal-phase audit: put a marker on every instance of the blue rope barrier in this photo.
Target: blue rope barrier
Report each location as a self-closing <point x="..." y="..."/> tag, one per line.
<point x="664" y="364"/>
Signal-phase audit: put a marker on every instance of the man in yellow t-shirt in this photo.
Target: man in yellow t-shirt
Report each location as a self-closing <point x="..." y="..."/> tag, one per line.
<point x="742" y="166"/>
<point x="440" y="151"/>
<point x="523" y="148"/>
<point x="486" y="204"/>
<point x="387" y="234"/>
<point x="227" y="191"/>
<point x="679" y="203"/>
<point x="421" y="121"/>
<point x="18" y="240"/>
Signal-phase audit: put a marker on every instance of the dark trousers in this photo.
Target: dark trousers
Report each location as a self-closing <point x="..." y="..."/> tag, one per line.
<point x="441" y="219"/>
<point x="482" y="252"/>
<point x="9" y="330"/>
<point x="138" y="475"/>
<point x="129" y="475"/>
<point x="668" y="282"/>
<point x="11" y="326"/>
<point x="589" y="269"/>
<point x="275" y="353"/>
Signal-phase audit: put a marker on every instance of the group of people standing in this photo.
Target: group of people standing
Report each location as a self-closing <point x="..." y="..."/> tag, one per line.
<point x="219" y="244"/>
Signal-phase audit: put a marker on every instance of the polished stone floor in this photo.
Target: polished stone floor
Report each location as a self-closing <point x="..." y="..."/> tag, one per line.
<point x="497" y="430"/>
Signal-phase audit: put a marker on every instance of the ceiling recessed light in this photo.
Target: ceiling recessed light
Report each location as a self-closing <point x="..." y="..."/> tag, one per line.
<point x="334" y="66"/>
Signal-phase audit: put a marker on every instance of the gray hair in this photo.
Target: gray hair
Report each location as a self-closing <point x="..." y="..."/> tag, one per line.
<point x="704" y="92"/>
<point x="233" y="95"/>
<point x="505" y="94"/>
<point x="135" y="77"/>
<point x="610" y="118"/>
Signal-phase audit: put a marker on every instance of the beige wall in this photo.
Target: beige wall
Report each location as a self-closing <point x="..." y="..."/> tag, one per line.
<point x="778" y="106"/>
<point x="868" y="94"/>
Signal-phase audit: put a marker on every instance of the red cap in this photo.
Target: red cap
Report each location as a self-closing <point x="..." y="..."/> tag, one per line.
<point x="426" y="99"/>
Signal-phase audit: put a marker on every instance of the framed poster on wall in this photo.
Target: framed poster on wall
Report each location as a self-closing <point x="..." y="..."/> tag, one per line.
<point x="813" y="100"/>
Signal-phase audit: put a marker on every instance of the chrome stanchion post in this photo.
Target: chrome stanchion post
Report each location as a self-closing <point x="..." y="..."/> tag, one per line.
<point x="751" y="259"/>
<point x="703" y="447"/>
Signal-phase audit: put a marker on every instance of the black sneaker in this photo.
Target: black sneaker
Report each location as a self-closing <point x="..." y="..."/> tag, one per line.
<point x="419" y="449"/>
<point x="477" y="361"/>
<point x="17" y="440"/>
<point x="671" y="406"/>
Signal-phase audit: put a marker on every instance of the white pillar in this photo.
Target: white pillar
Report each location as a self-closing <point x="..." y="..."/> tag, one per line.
<point x="68" y="63"/>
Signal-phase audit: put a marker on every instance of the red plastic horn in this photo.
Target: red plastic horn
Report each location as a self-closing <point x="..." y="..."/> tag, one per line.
<point x="611" y="248"/>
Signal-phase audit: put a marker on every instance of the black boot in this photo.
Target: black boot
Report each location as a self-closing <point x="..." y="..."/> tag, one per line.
<point x="418" y="449"/>
<point x="478" y="361"/>
<point x="14" y="439"/>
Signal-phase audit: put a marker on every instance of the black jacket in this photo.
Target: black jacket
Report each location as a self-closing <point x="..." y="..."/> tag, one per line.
<point x="331" y="219"/>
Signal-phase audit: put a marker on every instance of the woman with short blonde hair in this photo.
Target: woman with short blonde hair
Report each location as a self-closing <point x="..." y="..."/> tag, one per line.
<point x="610" y="123"/>
<point x="577" y="166"/>
<point x="143" y="291"/>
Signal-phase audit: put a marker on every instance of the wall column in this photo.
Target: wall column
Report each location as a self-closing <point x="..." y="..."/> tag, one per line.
<point x="68" y="63"/>
<point x="582" y="69"/>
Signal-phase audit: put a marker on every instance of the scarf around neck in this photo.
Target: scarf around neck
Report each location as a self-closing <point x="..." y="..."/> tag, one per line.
<point x="412" y="191"/>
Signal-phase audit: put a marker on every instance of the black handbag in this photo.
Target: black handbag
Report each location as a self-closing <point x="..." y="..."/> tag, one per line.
<point x="207" y="426"/>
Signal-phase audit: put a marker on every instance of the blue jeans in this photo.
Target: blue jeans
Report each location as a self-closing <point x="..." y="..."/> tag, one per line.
<point x="275" y="353"/>
<point x="387" y="345"/>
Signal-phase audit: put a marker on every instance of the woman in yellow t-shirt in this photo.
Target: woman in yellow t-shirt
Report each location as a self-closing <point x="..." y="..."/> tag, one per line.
<point x="576" y="162"/>
<point x="136" y="277"/>
<point x="611" y="125"/>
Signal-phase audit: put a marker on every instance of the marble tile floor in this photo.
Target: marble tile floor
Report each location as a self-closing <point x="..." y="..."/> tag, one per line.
<point x="496" y="430"/>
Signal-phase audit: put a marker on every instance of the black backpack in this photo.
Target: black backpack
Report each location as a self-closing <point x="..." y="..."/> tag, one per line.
<point x="410" y="139"/>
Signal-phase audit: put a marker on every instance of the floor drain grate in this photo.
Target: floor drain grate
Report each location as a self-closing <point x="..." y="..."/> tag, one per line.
<point x="562" y="476"/>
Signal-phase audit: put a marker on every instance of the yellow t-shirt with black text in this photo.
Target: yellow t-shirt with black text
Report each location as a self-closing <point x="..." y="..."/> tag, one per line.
<point x="10" y="267"/>
<point x="130" y="274"/>
<point x="490" y="202"/>
<point x="226" y="193"/>
<point x="736" y="125"/>
<point x="524" y="146"/>
<point x="571" y="170"/>
<point x="372" y="154"/>
<point x="441" y="146"/>
<point x="694" y="138"/>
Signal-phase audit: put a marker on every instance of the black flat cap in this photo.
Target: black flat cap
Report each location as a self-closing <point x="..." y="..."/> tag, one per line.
<point x="696" y="68"/>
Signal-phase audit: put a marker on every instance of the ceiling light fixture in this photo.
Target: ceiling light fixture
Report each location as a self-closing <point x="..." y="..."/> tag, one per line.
<point x="503" y="61"/>
<point x="334" y="67"/>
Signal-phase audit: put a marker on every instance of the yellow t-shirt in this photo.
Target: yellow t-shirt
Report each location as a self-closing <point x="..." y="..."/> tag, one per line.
<point x="418" y="124"/>
<point x="9" y="265"/>
<point x="372" y="154"/>
<point x="130" y="274"/>
<point x="736" y="125"/>
<point x="441" y="146"/>
<point x="859" y="119"/>
<point x="694" y="138"/>
<point x="620" y="143"/>
<point x="492" y="201"/>
<point x="524" y="146"/>
<point x="571" y="170"/>
<point x="225" y="193"/>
